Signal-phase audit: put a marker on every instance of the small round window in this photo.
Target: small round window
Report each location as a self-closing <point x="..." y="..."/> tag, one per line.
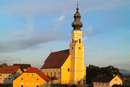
<point x="79" y="47"/>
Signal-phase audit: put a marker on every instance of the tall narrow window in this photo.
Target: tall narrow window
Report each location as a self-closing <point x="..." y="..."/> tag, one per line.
<point x="51" y="74"/>
<point x="55" y="74"/>
<point x="47" y="73"/>
<point x="21" y="85"/>
<point x="79" y="40"/>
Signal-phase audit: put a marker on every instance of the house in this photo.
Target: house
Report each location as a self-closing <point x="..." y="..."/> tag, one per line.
<point x="107" y="81"/>
<point x="32" y="78"/>
<point x="23" y="67"/>
<point x="68" y="65"/>
<point x="9" y="73"/>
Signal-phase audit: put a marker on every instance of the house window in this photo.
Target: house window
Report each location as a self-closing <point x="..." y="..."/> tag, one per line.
<point x="11" y="69"/>
<point x="79" y="47"/>
<point x="79" y="40"/>
<point x="37" y="78"/>
<point x="115" y="79"/>
<point x="7" y="69"/>
<point x="21" y="85"/>
<point x="21" y="78"/>
<point x="32" y="74"/>
<point x="27" y="74"/>
<point x="37" y="86"/>
<point x="72" y="47"/>
<point x="9" y="78"/>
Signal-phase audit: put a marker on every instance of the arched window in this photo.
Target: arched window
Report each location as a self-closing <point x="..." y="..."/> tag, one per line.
<point x="21" y="85"/>
<point x="55" y="74"/>
<point x="79" y="40"/>
<point x="68" y="69"/>
<point x="47" y="73"/>
<point x="51" y="74"/>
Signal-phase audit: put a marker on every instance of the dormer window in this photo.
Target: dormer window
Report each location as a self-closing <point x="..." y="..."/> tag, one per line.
<point x="11" y="69"/>
<point x="7" y="69"/>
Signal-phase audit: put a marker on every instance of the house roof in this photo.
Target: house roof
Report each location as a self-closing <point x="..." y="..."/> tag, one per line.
<point x="9" y="69"/>
<point x="103" y="78"/>
<point x="56" y="59"/>
<point x="23" y="66"/>
<point x="35" y="70"/>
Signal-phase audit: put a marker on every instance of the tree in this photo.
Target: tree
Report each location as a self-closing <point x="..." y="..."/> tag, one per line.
<point x="93" y="71"/>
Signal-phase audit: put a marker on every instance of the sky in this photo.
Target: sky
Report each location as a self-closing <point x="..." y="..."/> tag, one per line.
<point x="31" y="29"/>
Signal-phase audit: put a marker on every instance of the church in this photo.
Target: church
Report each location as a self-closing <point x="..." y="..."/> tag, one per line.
<point x="67" y="66"/>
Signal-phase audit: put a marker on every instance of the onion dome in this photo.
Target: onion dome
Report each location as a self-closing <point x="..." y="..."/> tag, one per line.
<point x="77" y="24"/>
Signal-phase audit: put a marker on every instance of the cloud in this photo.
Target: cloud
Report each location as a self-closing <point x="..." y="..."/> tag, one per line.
<point x="39" y="7"/>
<point x="59" y="21"/>
<point x="61" y="18"/>
<point x="8" y="60"/>
<point x="30" y="20"/>
<point x="28" y="40"/>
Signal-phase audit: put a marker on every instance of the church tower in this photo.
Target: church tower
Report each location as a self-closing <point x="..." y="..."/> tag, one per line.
<point x="77" y="51"/>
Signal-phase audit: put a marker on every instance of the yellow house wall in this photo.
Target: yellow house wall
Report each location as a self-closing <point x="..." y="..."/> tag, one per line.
<point x="65" y="74"/>
<point x="116" y="80"/>
<point x="58" y="73"/>
<point x="30" y="80"/>
<point x="7" y="78"/>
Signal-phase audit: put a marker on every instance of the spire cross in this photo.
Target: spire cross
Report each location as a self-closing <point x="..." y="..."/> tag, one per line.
<point x="77" y="3"/>
<point x="77" y="6"/>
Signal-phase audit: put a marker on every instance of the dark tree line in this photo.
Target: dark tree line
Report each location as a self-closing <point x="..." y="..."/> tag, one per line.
<point x="93" y="71"/>
<point x="4" y="64"/>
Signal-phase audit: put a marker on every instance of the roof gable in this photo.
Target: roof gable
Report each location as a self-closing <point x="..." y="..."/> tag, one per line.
<point x="35" y="70"/>
<point x="56" y="59"/>
<point x="9" y="69"/>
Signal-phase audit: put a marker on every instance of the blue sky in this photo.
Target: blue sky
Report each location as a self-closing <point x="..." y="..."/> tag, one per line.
<point x="30" y="29"/>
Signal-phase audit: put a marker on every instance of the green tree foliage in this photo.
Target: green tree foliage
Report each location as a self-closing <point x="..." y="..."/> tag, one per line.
<point x="93" y="71"/>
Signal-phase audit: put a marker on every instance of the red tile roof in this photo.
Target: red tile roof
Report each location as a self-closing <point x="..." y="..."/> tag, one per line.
<point x="35" y="70"/>
<point x="56" y="59"/>
<point x="9" y="69"/>
<point x="103" y="78"/>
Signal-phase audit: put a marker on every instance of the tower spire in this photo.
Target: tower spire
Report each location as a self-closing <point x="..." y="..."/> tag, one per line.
<point x="77" y="24"/>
